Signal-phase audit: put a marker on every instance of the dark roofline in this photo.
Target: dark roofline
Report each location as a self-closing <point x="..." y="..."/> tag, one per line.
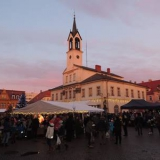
<point x="98" y="77"/>
<point x="63" y="86"/>
<point x="94" y="70"/>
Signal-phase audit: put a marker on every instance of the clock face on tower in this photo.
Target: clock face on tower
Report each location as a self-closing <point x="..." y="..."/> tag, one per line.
<point x="77" y="57"/>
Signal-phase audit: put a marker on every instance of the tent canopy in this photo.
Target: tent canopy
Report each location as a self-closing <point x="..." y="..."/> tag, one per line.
<point x="139" y="104"/>
<point x="52" y="107"/>
<point x="2" y="110"/>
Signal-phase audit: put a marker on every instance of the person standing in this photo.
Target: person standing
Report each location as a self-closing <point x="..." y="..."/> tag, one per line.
<point x="50" y="135"/>
<point x="69" y="126"/>
<point x="158" y="122"/>
<point x="117" y="130"/>
<point x="89" y="131"/>
<point x="35" y="126"/>
<point x="125" y="123"/>
<point x="102" y="128"/>
<point x="6" y="132"/>
<point x="139" y="123"/>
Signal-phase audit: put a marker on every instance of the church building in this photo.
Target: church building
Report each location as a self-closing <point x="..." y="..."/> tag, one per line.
<point x="102" y="89"/>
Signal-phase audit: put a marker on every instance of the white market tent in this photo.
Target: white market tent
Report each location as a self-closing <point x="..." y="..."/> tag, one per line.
<point x="2" y="110"/>
<point x="52" y="107"/>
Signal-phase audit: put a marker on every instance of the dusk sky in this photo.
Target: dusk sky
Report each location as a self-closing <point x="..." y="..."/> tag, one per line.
<point x="123" y="35"/>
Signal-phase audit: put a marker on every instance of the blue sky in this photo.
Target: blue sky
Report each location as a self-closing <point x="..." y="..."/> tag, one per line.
<point x="121" y="35"/>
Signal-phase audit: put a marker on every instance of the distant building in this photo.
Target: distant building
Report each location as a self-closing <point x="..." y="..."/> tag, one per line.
<point x="9" y="97"/>
<point x="43" y="95"/>
<point x="153" y="90"/>
<point x="30" y="96"/>
<point x="101" y="89"/>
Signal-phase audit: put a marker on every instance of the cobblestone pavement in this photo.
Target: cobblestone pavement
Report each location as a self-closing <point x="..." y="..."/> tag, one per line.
<point x="133" y="147"/>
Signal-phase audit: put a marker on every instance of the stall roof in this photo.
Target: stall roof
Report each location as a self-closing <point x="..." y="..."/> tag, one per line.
<point x="139" y="104"/>
<point x="2" y="110"/>
<point x="52" y="107"/>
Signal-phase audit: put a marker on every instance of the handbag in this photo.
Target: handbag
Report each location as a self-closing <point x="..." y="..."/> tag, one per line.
<point x="58" y="141"/>
<point x="107" y="135"/>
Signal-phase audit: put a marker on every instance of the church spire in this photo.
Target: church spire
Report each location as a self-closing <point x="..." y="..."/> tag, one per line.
<point x="74" y="28"/>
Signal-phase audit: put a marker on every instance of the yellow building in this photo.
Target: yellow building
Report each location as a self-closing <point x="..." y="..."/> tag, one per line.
<point x="102" y="89"/>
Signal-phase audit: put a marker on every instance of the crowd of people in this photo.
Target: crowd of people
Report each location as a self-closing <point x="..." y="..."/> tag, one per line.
<point x="63" y="128"/>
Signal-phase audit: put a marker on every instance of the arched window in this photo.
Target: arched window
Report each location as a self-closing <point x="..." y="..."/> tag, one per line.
<point x="77" y="43"/>
<point x="116" y="109"/>
<point x="13" y="96"/>
<point x="70" y="43"/>
<point x="17" y="96"/>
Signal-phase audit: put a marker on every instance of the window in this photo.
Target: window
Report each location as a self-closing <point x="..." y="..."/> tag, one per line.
<point x="13" y="96"/>
<point x="127" y="94"/>
<point x="143" y="94"/>
<point x="56" y="96"/>
<point x="90" y="92"/>
<point x="17" y="96"/>
<point x="61" y="95"/>
<point x="98" y="90"/>
<point x="70" y="94"/>
<point x="158" y="97"/>
<point x="83" y="92"/>
<point x="70" y="78"/>
<point x="150" y="98"/>
<point x="139" y="94"/>
<point x="66" y="79"/>
<point x="71" y="44"/>
<point x="118" y="92"/>
<point x="74" y="77"/>
<point x="74" y="94"/>
<point x="112" y="91"/>
<point x="132" y="93"/>
<point x="66" y="95"/>
<point x="116" y="109"/>
<point x="52" y="97"/>
<point x="77" y="43"/>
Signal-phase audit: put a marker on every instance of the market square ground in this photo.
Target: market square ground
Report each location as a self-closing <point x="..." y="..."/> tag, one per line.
<point x="133" y="147"/>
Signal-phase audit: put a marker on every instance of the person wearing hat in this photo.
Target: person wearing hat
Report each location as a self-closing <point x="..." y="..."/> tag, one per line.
<point x="50" y="135"/>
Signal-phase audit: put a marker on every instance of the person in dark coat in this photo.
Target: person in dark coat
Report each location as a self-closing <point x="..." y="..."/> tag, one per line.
<point x="35" y="126"/>
<point x="117" y="129"/>
<point x="139" y="123"/>
<point x="69" y="126"/>
<point x="125" y="123"/>
<point x="158" y="122"/>
<point x="102" y="127"/>
<point x="6" y="132"/>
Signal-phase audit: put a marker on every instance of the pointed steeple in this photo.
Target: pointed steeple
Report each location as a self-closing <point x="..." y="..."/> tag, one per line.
<point x="74" y="28"/>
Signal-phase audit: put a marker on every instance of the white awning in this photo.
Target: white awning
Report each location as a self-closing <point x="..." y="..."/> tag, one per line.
<point x="2" y="110"/>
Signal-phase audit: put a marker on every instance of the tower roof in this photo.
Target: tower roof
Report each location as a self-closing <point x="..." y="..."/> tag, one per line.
<point x="74" y="28"/>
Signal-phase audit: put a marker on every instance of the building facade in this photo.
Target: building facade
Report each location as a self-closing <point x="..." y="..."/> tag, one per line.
<point x="9" y="97"/>
<point x="43" y="95"/>
<point x="153" y="90"/>
<point x="102" y="89"/>
<point x="30" y="96"/>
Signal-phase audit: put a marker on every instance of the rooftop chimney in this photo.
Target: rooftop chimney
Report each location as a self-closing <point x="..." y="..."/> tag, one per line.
<point x="108" y="70"/>
<point x="98" y="68"/>
<point x="142" y="81"/>
<point x="150" y="80"/>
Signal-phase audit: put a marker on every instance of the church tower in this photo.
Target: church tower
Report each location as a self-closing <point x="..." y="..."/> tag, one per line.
<point x="74" y="53"/>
